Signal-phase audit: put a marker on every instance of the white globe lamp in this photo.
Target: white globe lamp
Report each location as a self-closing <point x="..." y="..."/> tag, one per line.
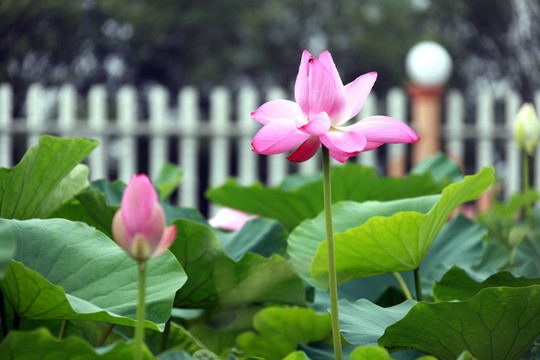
<point x="428" y="64"/>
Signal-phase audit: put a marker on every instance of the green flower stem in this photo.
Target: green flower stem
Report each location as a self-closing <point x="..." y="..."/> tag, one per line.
<point x="332" y="278"/>
<point x="139" y="326"/>
<point x="512" y="260"/>
<point x="63" y="328"/>
<point x="526" y="187"/>
<point x="105" y="335"/>
<point x="418" y="284"/>
<point x="403" y="285"/>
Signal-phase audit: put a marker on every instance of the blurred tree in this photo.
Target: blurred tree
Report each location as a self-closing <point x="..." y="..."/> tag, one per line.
<point x="227" y="41"/>
<point x="177" y="42"/>
<point x="496" y="43"/>
<point x="233" y="42"/>
<point x="38" y="40"/>
<point x="374" y="35"/>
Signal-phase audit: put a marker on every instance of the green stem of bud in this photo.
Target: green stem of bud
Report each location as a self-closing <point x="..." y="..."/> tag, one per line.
<point x="526" y="191"/>
<point x="140" y="315"/>
<point x="403" y="285"/>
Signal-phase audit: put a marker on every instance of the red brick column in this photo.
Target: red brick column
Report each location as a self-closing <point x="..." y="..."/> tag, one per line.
<point x="426" y="120"/>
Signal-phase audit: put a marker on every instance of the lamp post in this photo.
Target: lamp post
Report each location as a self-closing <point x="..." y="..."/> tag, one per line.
<point x="428" y="66"/>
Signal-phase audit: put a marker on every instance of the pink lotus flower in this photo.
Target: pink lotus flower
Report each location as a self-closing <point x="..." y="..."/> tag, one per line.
<point x="230" y="219"/>
<point x="139" y="225"/>
<point x="323" y="105"/>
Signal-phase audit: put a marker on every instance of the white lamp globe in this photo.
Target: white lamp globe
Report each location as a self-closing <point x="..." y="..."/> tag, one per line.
<point x="428" y="64"/>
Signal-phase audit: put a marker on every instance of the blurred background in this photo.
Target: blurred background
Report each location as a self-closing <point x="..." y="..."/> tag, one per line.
<point x="237" y="44"/>
<point x="493" y="43"/>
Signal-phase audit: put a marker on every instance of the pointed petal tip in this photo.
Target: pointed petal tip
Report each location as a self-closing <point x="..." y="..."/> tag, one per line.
<point x="254" y="149"/>
<point x="356" y="93"/>
<point x="277" y="109"/>
<point x="373" y="75"/>
<point x="325" y="53"/>
<point x="384" y="129"/>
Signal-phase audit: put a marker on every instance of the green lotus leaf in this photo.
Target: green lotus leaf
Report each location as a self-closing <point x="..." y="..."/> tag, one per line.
<point x="216" y="280"/>
<point x="460" y="243"/>
<point x="68" y="270"/>
<point x="306" y="237"/>
<point x="178" y="339"/>
<point x="175" y="355"/>
<point x="397" y="243"/>
<point x="278" y="331"/>
<point x="292" y="205"/>
<point x="297" y="355"/>
<point x="7" y="248"/>
<point x="370" y="353"/>
<point x="168" y="180"/>
<point x="364" y="322"/>
<point x="40" y="344"/>
<point x="457" y="285"/>
<point x="441" y="167"/>
<point x="496" y="323"/>
<point x="261" y="236"/>
<point x="91" y="207"/>
<point x="48" y="176"/>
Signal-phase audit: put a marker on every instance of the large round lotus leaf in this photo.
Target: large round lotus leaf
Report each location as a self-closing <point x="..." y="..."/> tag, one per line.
<point x="68" y="270"/>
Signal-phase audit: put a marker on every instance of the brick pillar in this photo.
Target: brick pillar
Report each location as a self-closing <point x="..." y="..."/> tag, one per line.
<point x="426" y="120"/>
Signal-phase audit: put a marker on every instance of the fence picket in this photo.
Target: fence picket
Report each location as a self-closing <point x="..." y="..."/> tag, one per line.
<point x="127" y="122"/>
<point x="67" y="110"/>
<point x="247" y="159"/>
<point x="97" y="123"/>
<point x="513" y="173"/>
<point x="188" y="118"/>
<point x="158" y="99"/>
<point x="35" y="120"/>
<point x="220" y="146"/>
<point x="485" y="148"/>
<point x="219" y="143"/>
<point x="455" y="144"/>
<point x="6" y="121"/>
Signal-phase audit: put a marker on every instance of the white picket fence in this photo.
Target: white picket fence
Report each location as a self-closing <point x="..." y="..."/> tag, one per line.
<point x="211" y="148"/>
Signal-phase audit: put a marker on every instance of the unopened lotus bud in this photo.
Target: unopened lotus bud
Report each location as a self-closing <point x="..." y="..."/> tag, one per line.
<point x="139" y="225"/>
<point x="526" y="128"/>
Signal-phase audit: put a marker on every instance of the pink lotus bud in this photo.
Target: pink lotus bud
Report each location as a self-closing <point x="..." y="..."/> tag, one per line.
<point x="139" y="225"/>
